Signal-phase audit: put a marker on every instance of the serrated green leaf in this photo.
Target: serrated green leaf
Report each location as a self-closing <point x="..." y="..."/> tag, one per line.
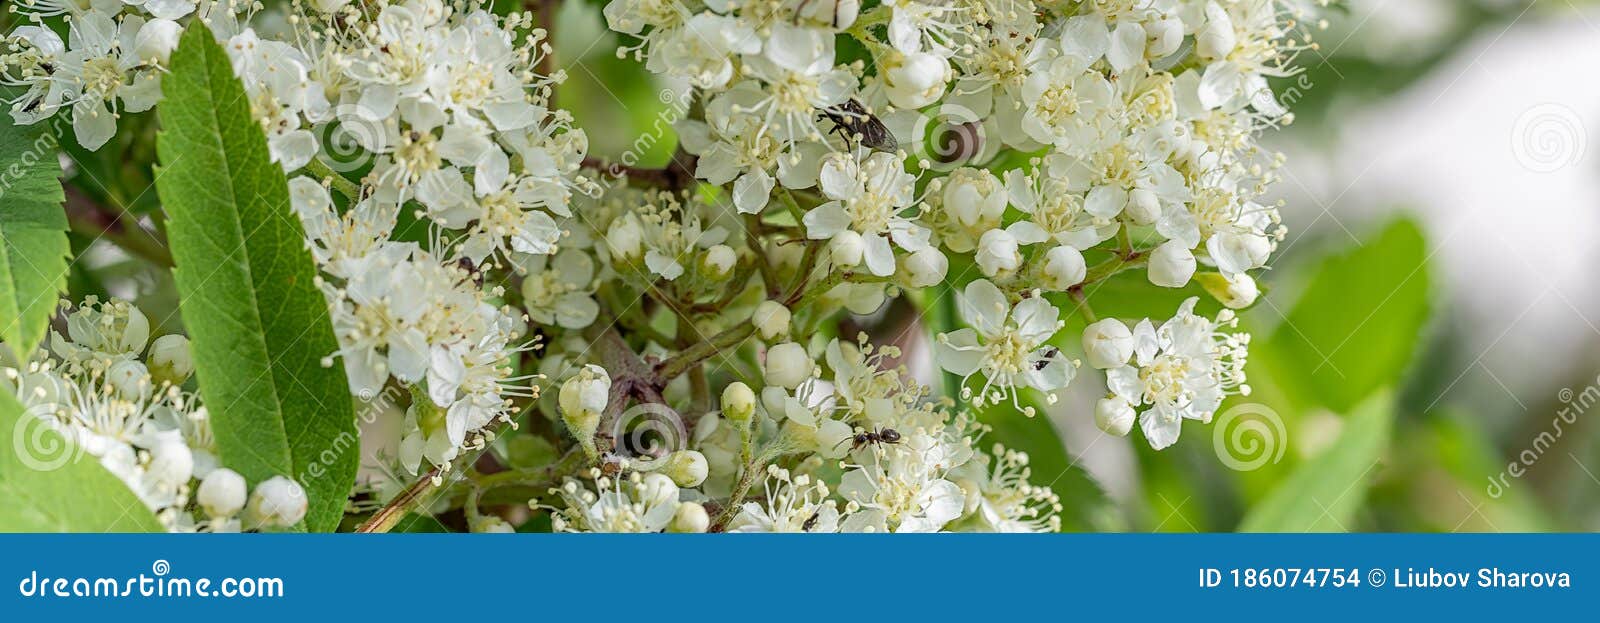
<point x="50" y="486"/>
<point x="1358" y="322"/>
<point x="1324" y="493"/>
<point x="257" y="324"/>
<point x="33" y="234"/>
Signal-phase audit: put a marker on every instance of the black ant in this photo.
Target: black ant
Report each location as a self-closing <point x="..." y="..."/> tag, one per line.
<point x="1049" y="356"/>
<point x="811" y="522"/>
<point x="887" y="435"/>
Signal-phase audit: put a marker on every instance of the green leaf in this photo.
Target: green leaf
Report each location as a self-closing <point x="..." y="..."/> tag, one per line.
<point x="1324" y="493"/>
<point x="50" y="486"/>
<point x="257" y="323"/>
<point x="1357" y="324"/>
<point x="33" y="234"/>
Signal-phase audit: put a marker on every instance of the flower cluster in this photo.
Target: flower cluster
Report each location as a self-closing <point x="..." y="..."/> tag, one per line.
<point x="121" y="403"/>
<point x="464" y="251"/>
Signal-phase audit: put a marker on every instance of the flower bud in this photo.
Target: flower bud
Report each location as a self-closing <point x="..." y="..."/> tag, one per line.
<point x="171" y="466"/>
<point x="1171" y="265"/>
<point x="582" y="399"/>
<point x="170" y="359"/>
<point x="738" y="403"/>
<point x="998" y="253"/>
<point x="277" y="502"/>
<point x="1064" y="267"/>
<point x="719" y="261"/>
<point x="846" y="248"/>
<point x="687" y="468"/>
<point x="1236" y="293"/>
<point x="156" y="40"/>
<point x="1114" y="416"/>
<point x="690" y="518"/>
<point x="625" y="239"/>
<point x="771" y="320"/>
<point x="130" y="378"/>
<point x="975" y="198"/>
<point x="787" y="365"/>
<point x="926" y="267"/>
<point x="1107" y="344"/>
<point x="1143" y="206"/>
<point x="222" y="494"/>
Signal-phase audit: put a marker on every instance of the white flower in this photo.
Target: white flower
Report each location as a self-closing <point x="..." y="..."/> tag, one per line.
<point x="642" y="503"/>
<point x="789" y="503"/>
<point x="95" y="75"/>
<point x="1180" y="371"/>
<point x="869" y="196"/>
<point x="1001" y="499"/>
<point x="1007" y="343"/>
<point x="902" y="488"/>
<point x="560" y="291"/>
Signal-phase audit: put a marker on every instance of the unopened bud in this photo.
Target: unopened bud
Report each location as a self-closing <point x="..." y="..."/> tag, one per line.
<point x="1236" y="293"/>
<point x="1114" y="416"/>
<point x="170" y="359"/>
<point x="222" y="493"/>
<point x="719" y="262"/>
<point x="690" y="518"/>
<point x="787" y="365"/>
<point x="1171" y="265"/>
<point x="738" y="403"/>
<point x="1107" y="344"/>
<point x="277" y="502"/>
<point x="687" y="468"/>
<point x="1064" y="267"/>
<point x="846" y="248"/>
<point x="771" y="320"/>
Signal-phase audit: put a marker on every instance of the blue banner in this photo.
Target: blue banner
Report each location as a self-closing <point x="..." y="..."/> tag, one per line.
<point x="793" y="578"/>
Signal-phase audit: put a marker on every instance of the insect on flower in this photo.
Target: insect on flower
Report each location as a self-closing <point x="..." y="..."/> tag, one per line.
<point x="852" y="121"/>
<point x="887" y="435"/>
